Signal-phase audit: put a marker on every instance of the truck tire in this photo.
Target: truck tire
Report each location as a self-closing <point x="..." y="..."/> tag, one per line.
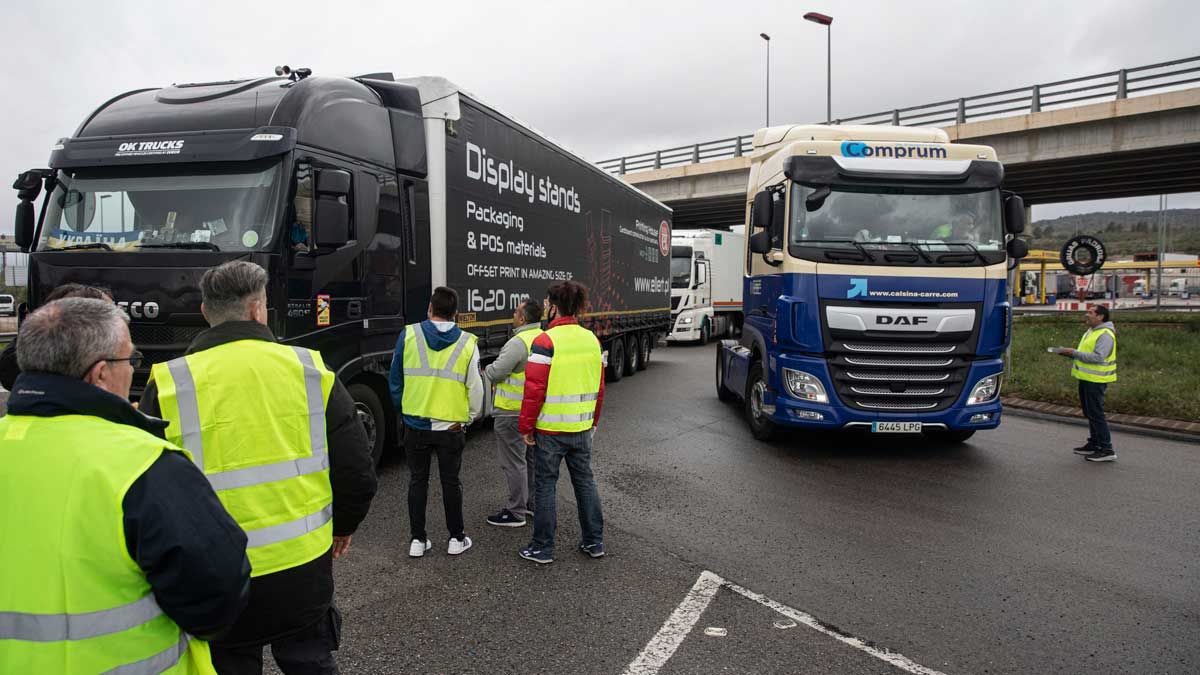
<point x="633" y="355"/>
<point x="723" y="394"/>
<point x="644" y="348"/>
<point x="370" y="413"/>
<point x="704" y="332"/>
<point x="616" y="360"/>
<point x="950" y="435"/>
<point x="761" y="426"/>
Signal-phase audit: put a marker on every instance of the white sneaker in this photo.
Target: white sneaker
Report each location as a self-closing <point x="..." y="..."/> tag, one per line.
<point x="418" y="548"/>
<point x="456" y="546"/>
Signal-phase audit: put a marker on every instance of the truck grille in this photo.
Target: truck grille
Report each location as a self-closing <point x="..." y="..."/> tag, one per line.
<point x="882" y="372"/>
<point x="675" y="302"/>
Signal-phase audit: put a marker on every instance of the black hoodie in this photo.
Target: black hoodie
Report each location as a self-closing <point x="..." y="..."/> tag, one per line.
<point x="291" y="600"/>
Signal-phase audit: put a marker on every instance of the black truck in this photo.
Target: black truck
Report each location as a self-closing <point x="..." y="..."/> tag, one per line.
<point x="358" y="196"/>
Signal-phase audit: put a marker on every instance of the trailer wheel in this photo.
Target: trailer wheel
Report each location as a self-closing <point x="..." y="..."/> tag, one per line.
<point x="616" y="360"/>
<point x="756" y="390"/>
<point x="633" y="355"/>
<point x="723" y="394"/>
<point x="370" y="413"/>
<point x="644" y="347"/>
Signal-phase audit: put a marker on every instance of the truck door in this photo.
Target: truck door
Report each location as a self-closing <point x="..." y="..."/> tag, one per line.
<point x="765" y="282"/>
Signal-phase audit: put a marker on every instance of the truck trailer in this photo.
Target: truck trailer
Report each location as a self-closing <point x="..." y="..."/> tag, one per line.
<point x="358" y="195"/>
<point x="876" y="293"/>
<point x="706" y="284"/>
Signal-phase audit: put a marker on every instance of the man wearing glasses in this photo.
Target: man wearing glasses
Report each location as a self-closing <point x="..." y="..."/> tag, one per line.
<point x="120" y="556"/>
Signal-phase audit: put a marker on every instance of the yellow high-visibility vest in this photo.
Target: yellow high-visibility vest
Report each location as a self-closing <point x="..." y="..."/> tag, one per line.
<point x="511" y="391"/>
<point x="71" y="598"/>
<point x="574" y="384"/>
<point x="435" y="383"/>
<point x="1095" y="372"/>
<point x="252" y="413"/>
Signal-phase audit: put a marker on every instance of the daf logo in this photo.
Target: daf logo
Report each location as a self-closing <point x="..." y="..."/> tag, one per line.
<point x="140" y="310"/>
<point x="885" y="320"/>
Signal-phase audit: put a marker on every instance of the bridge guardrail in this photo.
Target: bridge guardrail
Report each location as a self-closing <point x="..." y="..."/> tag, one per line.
<point x="1114" y="85"/>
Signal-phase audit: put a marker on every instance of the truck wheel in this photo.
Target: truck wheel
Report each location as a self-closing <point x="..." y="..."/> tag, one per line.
<point x="644" y="349"/>
<point x="616" y="360"/>
<point x="950" y="435"/>
<point x="704" y="333"/>
<point x="370" y="413"/>
<point x="723" y="394"/>
<point x="633" y="355"/>
<point x="756" y="390"/>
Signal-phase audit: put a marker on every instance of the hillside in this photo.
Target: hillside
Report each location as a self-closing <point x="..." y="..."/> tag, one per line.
<point x="1124" y="232"/>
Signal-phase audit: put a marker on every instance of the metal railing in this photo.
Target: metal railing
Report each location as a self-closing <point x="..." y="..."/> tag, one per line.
<point x="1114" y="85"/>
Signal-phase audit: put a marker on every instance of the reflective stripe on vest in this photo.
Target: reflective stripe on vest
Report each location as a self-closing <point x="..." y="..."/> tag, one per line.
<point x="279" y="484"/>
<point x="1096" y="372"/>
<point x="435" y="381"/>
<point x="72" y="599"/>
<point x="511" y="391"/>
<point x="573" y="386"/>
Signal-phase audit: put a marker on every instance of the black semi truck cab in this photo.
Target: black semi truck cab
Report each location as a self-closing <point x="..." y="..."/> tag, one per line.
<point x="353" y="194"/>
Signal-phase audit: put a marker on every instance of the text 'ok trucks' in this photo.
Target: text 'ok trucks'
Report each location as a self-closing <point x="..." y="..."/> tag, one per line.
<point x="358" y="196"/>
<point x="876" y="293"/>
<point x="706" y="284"/>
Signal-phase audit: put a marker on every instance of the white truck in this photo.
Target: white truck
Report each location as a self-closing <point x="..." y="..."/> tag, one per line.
<point x="706" y="284"/>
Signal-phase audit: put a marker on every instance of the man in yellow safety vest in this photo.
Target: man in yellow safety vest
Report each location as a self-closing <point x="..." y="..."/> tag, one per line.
<point x="564" y="390"/>
<point x="280" y="440"/>
<point x="117" y="555"/>
<point x="1094" y="364"/>
<point x="507" y="373"/>
<point x="436" y="384"/>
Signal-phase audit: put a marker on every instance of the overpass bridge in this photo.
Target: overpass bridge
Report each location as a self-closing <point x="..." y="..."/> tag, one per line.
<point x="1125" y="133"/>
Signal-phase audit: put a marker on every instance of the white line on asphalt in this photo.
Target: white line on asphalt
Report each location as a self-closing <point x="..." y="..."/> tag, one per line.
<point x="665" y="643"/>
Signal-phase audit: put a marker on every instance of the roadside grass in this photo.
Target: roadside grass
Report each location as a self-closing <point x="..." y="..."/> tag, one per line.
<point x="1158" y="363"/>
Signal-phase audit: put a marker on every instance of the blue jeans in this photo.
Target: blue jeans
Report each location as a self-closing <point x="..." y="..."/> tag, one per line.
<point x="576" y="448"/>
<point x="1091" y="399"/>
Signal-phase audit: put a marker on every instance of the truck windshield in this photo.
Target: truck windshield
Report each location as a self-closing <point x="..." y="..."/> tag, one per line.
<point x="681" y="270"/>
<point x="195" y="207"/>
<point x="965" y="221"/>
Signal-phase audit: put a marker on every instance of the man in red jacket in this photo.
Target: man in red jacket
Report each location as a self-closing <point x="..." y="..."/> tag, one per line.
<point x="564" y="391"/>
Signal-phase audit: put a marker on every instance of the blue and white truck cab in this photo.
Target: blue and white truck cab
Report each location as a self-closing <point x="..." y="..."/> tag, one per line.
<point x="876" y="292"/>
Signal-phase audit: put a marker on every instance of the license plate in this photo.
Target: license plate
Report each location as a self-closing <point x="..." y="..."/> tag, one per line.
<point x="896" y="427"/>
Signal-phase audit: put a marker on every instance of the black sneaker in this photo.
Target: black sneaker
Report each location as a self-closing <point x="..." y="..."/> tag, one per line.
<point x="593" y="550"/>
<point x="1102" y="456"/>
<point x="506" y="518"/>
<point x="1085" y="449"/>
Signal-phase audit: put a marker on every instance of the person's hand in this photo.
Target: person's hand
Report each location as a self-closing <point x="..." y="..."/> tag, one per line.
<point x="528" y="438"/>
<point x="456" y="427"/>
<point x="341" y="545"/>
<point x="1068" y="352"/>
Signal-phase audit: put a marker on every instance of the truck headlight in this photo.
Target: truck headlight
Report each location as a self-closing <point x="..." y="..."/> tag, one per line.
<point x="686" y="320"/>
<point x="985" y="390"/>
<point x="803" y="386"/>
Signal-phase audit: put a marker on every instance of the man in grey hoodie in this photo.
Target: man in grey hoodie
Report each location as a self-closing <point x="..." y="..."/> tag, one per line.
<point x="507" y="373"/>
<point x="1095" y="366"/>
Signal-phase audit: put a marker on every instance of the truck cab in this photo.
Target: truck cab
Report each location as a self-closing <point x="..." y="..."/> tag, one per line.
<point x="706" y="284"/>
<point x="876" y="283"/>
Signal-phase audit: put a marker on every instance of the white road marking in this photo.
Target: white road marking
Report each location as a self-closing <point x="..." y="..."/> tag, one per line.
<point x="666" y="642"/>
<point x="713" y="631"/>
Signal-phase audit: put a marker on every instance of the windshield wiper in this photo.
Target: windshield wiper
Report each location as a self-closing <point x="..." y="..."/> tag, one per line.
<point x="866" y="255"/>
<point x="974" y="252"/>
<point x="917" y="247"/>
<point x="206" y="245"/>
<point x="80" y="247"/>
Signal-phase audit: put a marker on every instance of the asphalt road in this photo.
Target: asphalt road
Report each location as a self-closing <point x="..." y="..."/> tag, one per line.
<point x="1005" y="554"/>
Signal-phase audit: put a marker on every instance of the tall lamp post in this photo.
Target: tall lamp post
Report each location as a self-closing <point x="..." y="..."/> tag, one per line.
<point x="767" y="38"/>
<point x="827" y="21"/>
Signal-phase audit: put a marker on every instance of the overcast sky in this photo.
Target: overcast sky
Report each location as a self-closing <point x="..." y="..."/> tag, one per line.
<point x="602" y="78"/>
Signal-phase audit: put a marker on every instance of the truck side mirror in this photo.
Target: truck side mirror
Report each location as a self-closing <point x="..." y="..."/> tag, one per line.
<point x="760" y="213"/>
<point x="23" y="227"/>
<point x="331" y="213"/>
<point x="701" y="273"/>
<point x="760" y="242"/>
<point x="1017" y="248"/>
<point x="1014" y="214"/>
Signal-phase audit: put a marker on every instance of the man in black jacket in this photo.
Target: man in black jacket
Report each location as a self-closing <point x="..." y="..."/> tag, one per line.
<point x="9" y="368"/>
<point x="291" y="609"/>
<point x="193" y="554"/>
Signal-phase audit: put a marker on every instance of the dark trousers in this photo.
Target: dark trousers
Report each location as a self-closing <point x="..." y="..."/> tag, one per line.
<point x="309" y="652"/>
<point x="576" y="449"/>
<point x="1091" y="399"/>
<point x="421" y="445"/>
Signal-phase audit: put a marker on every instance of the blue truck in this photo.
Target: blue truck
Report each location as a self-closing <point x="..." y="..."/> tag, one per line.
<point x="876" y="292"/>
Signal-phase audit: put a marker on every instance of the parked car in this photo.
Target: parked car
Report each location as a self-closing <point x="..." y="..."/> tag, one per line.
<point x="8" y="305"/>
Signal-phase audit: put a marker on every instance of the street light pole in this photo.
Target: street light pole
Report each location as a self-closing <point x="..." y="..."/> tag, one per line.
<point x="827" y="21"/>
<point x="1162" y="237"/>
<point x="767" y="38"/>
